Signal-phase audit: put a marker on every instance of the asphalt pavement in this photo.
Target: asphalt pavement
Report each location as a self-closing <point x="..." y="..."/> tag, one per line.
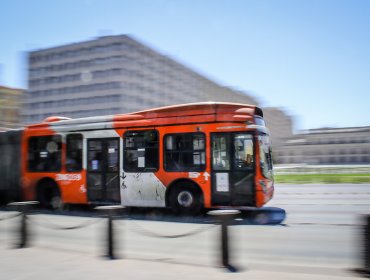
<point x="320" y="238"/>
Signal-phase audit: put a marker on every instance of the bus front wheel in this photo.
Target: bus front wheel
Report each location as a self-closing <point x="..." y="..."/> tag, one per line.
<point x="186" y="199"/>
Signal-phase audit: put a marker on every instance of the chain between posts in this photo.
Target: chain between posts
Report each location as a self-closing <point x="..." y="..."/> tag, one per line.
<point x="149" y="233"/>
<point x="51" y="225"/>
<point x="10" y="217"/>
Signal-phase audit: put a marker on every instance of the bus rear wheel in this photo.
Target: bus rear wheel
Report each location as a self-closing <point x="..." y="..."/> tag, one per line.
<point x="49" y="196"/>
<point x="56" y="201"/>
<point x="186" y="199"/>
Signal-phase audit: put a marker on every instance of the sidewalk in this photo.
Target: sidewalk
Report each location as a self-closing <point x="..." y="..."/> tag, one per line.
<point x="44" y="263"/>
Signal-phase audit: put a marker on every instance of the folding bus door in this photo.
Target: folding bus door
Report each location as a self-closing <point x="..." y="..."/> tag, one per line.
<point x="232" y="169"/>
<point x="103" y="171"/>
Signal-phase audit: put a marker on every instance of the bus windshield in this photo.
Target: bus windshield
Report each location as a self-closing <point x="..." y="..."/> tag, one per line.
<point x="265" y="155"/>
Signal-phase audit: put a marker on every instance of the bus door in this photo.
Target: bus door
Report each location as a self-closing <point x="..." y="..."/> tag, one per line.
<point x="232" y="169"/>
<point x="103" y="170"/>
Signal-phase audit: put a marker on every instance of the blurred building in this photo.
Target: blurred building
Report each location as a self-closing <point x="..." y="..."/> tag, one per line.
<point x="10" y="107"/>
<point x="327" y="146"/>
<point x="279" y="124"/>
<point x="110" y="75"/>
<point x="118" y="74"/>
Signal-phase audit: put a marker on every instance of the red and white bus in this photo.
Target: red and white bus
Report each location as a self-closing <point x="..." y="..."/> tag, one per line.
<point x="211" y="155"/>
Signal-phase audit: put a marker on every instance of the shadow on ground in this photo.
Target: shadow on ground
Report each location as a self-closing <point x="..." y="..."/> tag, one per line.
<point x="248" y="216"/>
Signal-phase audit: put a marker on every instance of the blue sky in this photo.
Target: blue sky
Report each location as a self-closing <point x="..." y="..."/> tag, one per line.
<point x="311" y="57"/>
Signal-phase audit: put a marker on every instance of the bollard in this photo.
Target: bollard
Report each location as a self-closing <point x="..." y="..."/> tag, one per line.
<point x="367" y="245"/>
<point x="365" y="270"/>
<point x="110" y="209"/>
<point x="225" y="217"/>
<point x="23" y="207"/>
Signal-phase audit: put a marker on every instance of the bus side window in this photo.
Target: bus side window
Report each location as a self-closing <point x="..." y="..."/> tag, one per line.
<point x="244" y="151"/>
<point x="185" y="152"/>
<point x="74" y="153"/>
<point x="44" y="153"/>
<point x="141" y="151"/>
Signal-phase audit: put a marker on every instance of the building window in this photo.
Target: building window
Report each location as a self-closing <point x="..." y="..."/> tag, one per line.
<point x="44" y="153"/>
<point x="141" y="151"/>
<point x="185" y="152"/>
<point x="74" y="153"/>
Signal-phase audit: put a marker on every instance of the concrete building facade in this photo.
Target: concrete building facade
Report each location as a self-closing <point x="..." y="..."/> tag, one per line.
<point x="118" y="74"/>
<point x="109" y="75"/>
<point x="327" y="146"/>
<point x="10" y="107"/>
<point x="279" y="124"/>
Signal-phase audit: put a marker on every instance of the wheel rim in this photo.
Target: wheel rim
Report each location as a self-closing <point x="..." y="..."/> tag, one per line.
<point x="185" y="198"/>
<point x="56" y="203"/>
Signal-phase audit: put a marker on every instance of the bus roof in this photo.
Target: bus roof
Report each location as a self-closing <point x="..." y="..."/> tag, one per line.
<point x="177" y="114"/>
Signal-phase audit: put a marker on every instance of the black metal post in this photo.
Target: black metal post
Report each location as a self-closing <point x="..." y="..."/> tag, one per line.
<point x="23" y="231"/>
<point x="367" y="245"/>
<point x="225" y="242"/>
<point x="110" y="252"/>
<point x="110" y="230"/>
<point x="225" y="217"/>
<point x="23" y="207"/>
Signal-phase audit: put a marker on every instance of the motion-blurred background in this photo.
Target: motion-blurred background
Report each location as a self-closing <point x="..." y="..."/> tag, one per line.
<point x="306" y="63"/>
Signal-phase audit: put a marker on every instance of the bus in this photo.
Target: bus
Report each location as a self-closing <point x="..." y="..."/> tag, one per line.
<point x="185" y="157"/>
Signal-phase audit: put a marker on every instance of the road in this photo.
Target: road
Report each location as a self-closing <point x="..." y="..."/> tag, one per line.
<point x="319" y="239"/>
<point x="328" y="204"/>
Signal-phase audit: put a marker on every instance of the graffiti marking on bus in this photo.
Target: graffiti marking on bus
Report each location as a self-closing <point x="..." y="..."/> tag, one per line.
<point x="68" y="177"/>
<point x="206" y="175"/>
<point x="194" y="175"/>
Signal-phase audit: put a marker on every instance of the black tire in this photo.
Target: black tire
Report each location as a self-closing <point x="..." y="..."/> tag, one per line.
<point x="56" y="202"/>
<point x="186" y="199"/>
<point x="49" y="196"/>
